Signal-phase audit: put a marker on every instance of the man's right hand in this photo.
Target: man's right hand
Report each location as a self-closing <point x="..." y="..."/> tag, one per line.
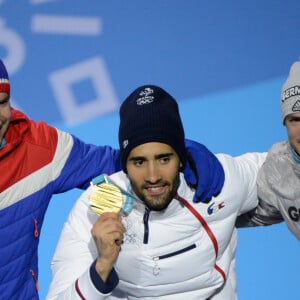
<point x="108" y="235"/>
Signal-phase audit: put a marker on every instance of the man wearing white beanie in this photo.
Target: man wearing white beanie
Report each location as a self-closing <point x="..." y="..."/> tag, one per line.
<point x="279" y="178"/>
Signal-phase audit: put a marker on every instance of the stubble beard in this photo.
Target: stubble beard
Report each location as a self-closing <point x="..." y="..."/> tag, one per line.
<point x="160" y="202"/>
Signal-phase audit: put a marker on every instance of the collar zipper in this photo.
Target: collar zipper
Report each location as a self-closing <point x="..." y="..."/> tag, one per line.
<point x="146" y="225"/>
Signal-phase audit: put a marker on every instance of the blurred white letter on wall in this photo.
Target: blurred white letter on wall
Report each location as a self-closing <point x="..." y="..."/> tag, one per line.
<point x="93" y="69"/>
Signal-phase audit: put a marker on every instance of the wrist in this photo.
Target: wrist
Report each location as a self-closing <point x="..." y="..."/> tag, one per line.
<point x="103" y="287"/>
<point x="103" y="268"/>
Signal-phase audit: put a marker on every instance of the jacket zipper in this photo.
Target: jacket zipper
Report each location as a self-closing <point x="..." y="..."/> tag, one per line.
<point x="146" y="225"/>
<point x="156" y="268"/>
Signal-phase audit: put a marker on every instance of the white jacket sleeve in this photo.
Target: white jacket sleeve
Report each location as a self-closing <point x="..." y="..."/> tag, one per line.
<point x="251" y="162"/>
<point x="246" y="167"/>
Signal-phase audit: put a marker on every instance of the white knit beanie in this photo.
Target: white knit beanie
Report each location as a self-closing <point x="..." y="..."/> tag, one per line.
<point x="290" y="94"/>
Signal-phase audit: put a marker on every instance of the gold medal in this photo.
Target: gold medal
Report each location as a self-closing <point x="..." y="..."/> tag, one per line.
<point x="106" y="196"/>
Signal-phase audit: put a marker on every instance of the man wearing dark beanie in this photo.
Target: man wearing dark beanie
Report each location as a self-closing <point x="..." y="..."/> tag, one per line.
<point x="38" y="161"/>
<point x="137" y="234"/>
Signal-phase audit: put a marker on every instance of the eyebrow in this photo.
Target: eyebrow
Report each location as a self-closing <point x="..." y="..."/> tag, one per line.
<point x="158" y="156"/>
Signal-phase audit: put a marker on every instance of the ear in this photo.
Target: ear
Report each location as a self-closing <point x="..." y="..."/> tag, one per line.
<point x="181" y="168"/>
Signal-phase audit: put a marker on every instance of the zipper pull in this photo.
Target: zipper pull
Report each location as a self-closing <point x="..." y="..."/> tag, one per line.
<point x="36" y="228"/>
<point x="35" y="279"/>
<point x="156" y="268"/>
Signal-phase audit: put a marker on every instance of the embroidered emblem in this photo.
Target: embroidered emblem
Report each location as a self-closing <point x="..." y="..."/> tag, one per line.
<point x="129" y="235"/>
<point x="145" y="97"/>
<point x="290" y="92"/>
<point x="296" y="106"/>
<point x="125" y="144"/>
<point x="213" y="208"/>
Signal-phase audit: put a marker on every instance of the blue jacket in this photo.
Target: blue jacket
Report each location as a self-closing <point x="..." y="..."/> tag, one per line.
<point x="37" y="161"/>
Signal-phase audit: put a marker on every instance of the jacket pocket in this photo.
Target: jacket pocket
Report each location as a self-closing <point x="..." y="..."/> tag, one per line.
<point x="156" y="259"/>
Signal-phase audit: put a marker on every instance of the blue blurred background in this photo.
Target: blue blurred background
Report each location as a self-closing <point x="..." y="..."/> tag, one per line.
<point x="71" y="63"/>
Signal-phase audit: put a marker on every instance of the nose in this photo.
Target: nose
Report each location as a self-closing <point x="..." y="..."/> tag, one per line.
<point x="152" y="173"/>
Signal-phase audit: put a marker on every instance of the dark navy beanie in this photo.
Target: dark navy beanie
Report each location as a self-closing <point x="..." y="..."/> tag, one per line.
<point x="150" y="114"/>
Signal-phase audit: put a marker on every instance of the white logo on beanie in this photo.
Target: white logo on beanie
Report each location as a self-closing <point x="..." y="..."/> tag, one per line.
<point x="290" y="93"/>
<point x="293" y="91"/>
<point x="146" y="97"/>
<point x="125" y="144"/>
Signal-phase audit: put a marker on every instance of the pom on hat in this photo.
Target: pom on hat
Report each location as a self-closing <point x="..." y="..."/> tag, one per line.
<point x="290" y="94"/>
<point x="150" y="114"/>
<point x="4" y="80"/>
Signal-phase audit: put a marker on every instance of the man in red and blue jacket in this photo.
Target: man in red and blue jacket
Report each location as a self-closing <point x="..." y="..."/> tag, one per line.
<point x="37" y="161"/>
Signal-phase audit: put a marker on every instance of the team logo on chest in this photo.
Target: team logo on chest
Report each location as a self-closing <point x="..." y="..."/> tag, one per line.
<point x="214" y="207"/>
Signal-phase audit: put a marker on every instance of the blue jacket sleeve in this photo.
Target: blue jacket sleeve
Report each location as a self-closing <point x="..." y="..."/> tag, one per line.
<point x="84" y="162"/>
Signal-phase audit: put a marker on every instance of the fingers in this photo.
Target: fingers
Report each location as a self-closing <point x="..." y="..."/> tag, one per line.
<point x="108" y="234"/>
